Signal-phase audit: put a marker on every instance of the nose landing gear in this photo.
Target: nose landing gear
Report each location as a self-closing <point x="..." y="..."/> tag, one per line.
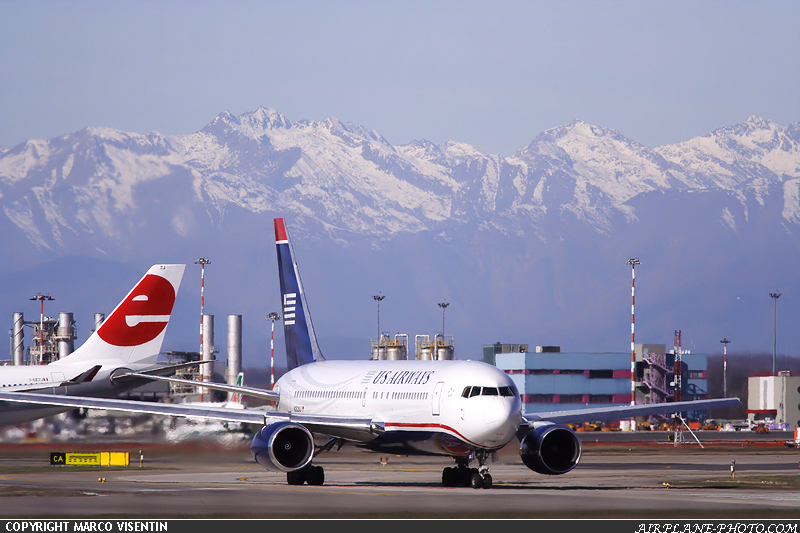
<point x="463" y="476"/>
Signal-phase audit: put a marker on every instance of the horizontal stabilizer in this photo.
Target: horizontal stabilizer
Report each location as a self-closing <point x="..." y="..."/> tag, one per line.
<point x="256" y="393"/>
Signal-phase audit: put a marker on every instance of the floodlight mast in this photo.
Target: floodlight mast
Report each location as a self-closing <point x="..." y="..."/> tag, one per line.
<point x="378" y="299"/>
<point x="774" y="295"/>
<point x="725" y="342"/>
<point x="443" y="305"/>
<point x="203" y="261"/>
<point x="633" y="262"/>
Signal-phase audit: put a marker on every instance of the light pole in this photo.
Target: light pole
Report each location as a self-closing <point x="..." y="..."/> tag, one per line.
<point x="41" y="298"/>
<point x="378" y="299"/>
<point x="725" y="342"/>
<point x="272" y="317"/>
<point x="633" y="262"/>
<point x="443" y="305"/>
<point x="203" y="261"/>
<point x="774" y="296"/>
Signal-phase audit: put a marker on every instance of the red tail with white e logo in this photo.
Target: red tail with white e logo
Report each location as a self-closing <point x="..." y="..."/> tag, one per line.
<point x="134" y="331"/>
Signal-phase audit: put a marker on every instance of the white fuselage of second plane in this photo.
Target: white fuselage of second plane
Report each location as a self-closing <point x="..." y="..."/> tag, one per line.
<point x="438" y="407"/>
<point x="49" y="379"/>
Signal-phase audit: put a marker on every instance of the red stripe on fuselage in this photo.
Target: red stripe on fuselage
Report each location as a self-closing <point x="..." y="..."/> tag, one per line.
<point x="431" y="426"/>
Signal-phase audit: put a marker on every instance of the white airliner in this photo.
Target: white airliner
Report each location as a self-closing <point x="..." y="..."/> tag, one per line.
<point x="129" y="340"/>
<point x="461" y="409"/>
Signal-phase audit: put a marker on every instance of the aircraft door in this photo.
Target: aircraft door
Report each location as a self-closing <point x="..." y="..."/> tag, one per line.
<point x="437" y="397"/>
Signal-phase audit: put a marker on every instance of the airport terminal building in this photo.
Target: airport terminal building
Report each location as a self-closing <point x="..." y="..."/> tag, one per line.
<point x="551" y="380"/>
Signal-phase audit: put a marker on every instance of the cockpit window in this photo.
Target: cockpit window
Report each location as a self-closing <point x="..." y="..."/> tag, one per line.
<point x="507" y="391"/>
<point x="469" y="392"/>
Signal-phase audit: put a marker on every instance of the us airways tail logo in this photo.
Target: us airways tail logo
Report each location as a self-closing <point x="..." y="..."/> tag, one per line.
<point x="289" y="308"/>
<point x="142" y="316"/>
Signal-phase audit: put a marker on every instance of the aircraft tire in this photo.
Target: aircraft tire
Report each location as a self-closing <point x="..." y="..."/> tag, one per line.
<point x="296" y="477"/>
<point x="487" y="481"/>
<point x="316" y="475"/>
<point x="475" y="480"/>
<point x="448" y="477"/>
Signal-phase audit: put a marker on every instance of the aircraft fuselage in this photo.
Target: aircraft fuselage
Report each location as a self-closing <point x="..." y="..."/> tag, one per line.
<point x="421" y="404"/>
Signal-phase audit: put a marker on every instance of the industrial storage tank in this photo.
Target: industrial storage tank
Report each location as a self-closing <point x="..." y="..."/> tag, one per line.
<point x="424" y="348"/>
<point x="444" y="348"/>
<point x="397" y="349"/>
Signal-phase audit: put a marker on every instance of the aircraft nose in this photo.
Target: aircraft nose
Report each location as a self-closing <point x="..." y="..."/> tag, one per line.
<point x="502" y="420"/>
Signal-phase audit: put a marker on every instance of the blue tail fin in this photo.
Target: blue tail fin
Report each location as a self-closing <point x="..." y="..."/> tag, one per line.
<point x="301" y="343"/>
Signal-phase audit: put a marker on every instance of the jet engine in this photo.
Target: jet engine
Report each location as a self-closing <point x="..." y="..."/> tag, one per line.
<point x="550" y="449"/>
<point x="283" y="447"/>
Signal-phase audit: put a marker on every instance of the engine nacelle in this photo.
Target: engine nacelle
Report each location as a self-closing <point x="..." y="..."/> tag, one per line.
<point x="283" y="447"/>
<point x="550" y="449"/>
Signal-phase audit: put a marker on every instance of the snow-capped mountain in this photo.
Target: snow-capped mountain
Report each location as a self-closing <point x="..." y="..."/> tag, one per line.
<point x="534" y="236"/>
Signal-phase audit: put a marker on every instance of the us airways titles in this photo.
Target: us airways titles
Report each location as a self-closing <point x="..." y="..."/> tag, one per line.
<point x="401" y="377"/>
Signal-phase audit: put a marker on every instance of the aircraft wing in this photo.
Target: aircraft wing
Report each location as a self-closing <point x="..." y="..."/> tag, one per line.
<point x="353" y="429"/>
<point x="626" y="411"/>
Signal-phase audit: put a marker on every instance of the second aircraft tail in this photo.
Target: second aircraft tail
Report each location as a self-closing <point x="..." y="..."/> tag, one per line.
<point x="298" y="332"/>
<point x="134" y="331"/>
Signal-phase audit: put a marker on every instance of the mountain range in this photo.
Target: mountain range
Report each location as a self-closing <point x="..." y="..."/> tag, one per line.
<point x="529" y="248"/>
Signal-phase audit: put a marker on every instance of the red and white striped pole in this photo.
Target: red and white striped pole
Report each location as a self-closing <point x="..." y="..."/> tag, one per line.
<point x="272" y="317"/>
<point x="203" y="261"/>
<point x="633" y="262"/>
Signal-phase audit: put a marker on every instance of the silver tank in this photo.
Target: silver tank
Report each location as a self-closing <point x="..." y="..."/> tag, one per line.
<point x="423" y="348"/>
<point x="65" y="335"/>
<point x="99" y="318"/>
<point x="18" y="345"/>
<point x="396" y="353"/>
<point x="234" y="348"/>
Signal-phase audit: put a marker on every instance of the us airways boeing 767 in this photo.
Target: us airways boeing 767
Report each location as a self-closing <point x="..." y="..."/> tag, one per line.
<point x="460" y="409"/>
<point x="128" y="340"/>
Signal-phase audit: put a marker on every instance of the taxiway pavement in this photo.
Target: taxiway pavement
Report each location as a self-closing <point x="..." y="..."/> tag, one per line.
<point x="613" y="480"/>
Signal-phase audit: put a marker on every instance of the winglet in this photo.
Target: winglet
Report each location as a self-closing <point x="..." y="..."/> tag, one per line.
<point x="298" y="331"/>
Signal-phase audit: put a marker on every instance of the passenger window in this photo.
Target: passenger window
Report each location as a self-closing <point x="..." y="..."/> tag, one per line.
<point x="490" y="391"/>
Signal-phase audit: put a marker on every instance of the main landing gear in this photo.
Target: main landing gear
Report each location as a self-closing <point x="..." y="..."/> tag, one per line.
<point x="313" y="475"/>
<point x="463" y="476"/>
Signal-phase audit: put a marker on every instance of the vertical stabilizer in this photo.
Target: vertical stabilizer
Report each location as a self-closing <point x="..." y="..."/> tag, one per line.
<point x="134" y="331"/>
<point x="301" y="343"/>
<point x="236" y="397"/>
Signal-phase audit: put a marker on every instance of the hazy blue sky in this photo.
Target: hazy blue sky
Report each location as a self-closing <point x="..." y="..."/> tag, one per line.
<point x="492" y="74"/>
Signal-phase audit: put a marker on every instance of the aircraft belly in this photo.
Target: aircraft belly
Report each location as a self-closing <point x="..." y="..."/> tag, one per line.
<point x="420" y="442"/>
